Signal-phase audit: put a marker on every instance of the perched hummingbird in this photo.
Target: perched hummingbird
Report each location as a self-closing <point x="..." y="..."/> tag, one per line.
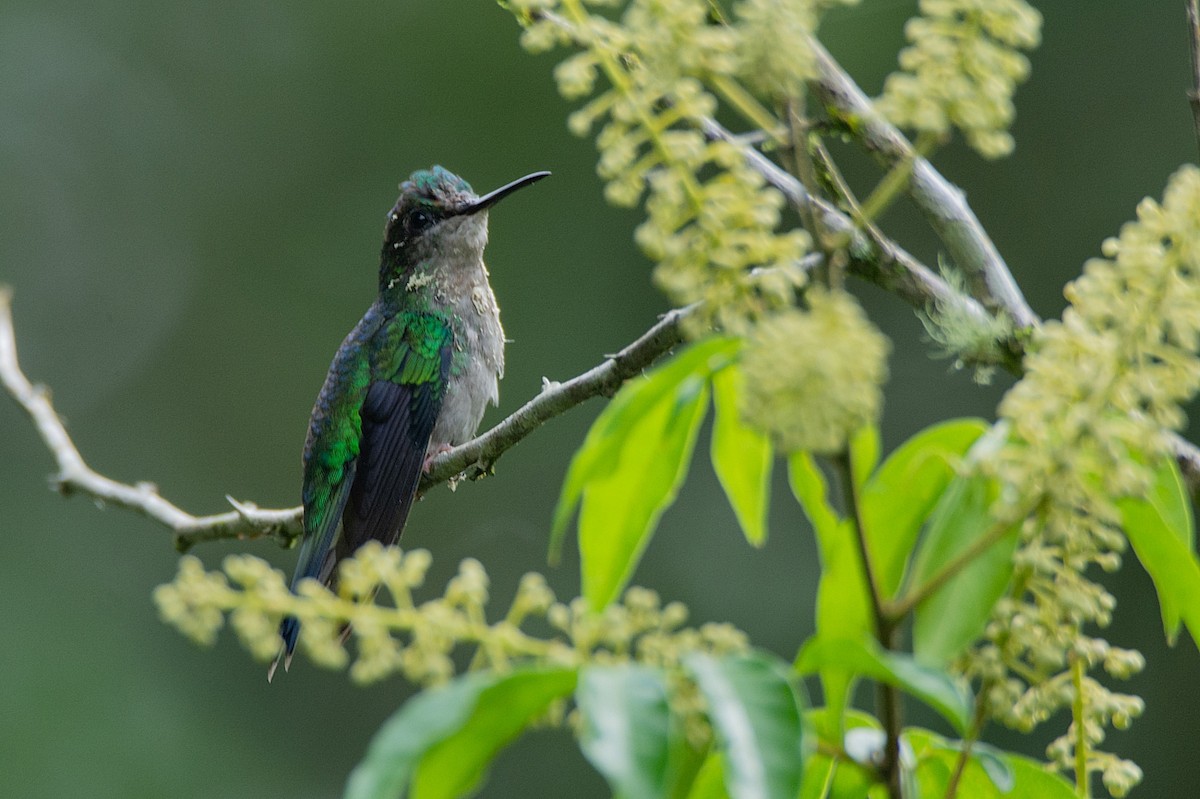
<point x="411" y="380"/>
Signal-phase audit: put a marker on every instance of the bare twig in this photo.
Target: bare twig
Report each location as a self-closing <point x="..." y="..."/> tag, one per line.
<point x="943" y="204"/>
<point x="247" y="520"/>
<point x="1193" y="18"/>
<point x="75" y="476"/>
<point x="478" y="456"/>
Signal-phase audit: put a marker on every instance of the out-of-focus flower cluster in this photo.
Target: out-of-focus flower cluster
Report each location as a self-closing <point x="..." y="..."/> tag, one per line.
<point x="394" y="634"/>
<point x="961" y="70"/>
<point x="713" y="226"/>
<point x="1085" y="422"/>
<point x="814" y="377"/>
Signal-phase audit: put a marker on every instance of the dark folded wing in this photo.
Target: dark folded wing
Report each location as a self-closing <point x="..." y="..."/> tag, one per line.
<point x="398" y="415"/>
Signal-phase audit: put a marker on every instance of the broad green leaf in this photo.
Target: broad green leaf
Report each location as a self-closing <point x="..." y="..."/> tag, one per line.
<point x="756" y="716"/>
<point x="710" y="779"/>
<point x="1032" y="781"/>
<point x="425" y="720"/>
<point x="954" y="615"/>
<point x="812" y="492"/>
<point x="897" y="499"/>
<point x="611" y="433"/>
<point x="621" y="508"/>
<point x="741" y="457"/>
<point x="985" y="762"/>
<point x="456" y="765"/>
<point x="989" y="773"/>
<point x="1161" y="531"/>
<point x="627" y="728"/>
<point x="947" y="695"/>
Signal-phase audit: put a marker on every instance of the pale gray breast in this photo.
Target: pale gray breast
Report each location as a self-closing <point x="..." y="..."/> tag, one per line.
<point x="478" y="362"/>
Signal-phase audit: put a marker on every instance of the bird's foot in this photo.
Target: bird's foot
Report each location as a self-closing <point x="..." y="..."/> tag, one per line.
<point x="429" y="456"/>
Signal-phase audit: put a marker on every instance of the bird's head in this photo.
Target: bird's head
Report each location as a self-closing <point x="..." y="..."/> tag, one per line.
<point x="438" y="219"/>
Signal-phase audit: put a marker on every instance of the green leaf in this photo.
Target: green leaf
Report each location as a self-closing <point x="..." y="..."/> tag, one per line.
<point x="631" y="465"/>
<point x="756" y="716"/>
<point x="812" y="492"/>
<point x="1032" y="781"/>
<point x="710" y="779"/>
<point x="741" y="457"/>
<point x="899" y="497"/>
<point x="627" y="728"/>
<point x="954" y="615"/>
<point x="456" y="765"/>
<point x="985" y="762"/>
<point x="947" y="695"/>
<point x="848" y="780"/>
<point x="843" y="600"/>
<point x="989" y="773"/>
<point x="1161" y="530"/>
<point x="429" y="717"/>
<point x="864" y="453"/>
<point x="620" y="510"/>
<point x="610" y="433"/>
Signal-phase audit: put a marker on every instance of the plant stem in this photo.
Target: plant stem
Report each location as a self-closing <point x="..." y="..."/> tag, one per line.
<point x="960" y="764"/>
<point x="1193" y="18"/>
<point x="1081" y="743"/>
<point x="888" y="696"/>
<point x="845" y="467"/>
<point x="895" y="181"/>
<point x="904" y="605"/>
<point x="749" y="107"/>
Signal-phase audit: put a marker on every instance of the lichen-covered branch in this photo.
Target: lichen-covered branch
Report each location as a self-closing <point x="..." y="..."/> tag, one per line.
<point x="873" y="257"/>
<point x="885" y="263"/>
<point x="943" y="204"/>
<point x="246" y="520"/>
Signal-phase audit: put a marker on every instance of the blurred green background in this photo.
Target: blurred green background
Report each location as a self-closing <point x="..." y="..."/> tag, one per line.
<point x="191" y="199"/>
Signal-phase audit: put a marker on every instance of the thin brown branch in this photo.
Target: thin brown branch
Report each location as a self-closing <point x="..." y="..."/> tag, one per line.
<point x="246" y="520"/>
<point x="888" y="695"/>
<point x="978" y="719"/>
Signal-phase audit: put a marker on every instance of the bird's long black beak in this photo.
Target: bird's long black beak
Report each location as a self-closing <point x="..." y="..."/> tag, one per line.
<point x="493" y="197"/>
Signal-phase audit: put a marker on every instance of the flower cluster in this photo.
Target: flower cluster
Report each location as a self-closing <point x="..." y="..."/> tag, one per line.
<point x="1100" y="386"/>
<point x="419" y="640"/>
<point x="814" y="377"/>
<point x="774" y="56"/>
<point x="961" y="70"/>
<point x="713" y="225"/>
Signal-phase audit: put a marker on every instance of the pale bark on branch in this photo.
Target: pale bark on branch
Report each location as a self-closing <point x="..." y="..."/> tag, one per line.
<point x="943" y="204"/>
<point x="246" y="520"/>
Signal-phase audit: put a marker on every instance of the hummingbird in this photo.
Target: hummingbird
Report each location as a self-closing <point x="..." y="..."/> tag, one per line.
<point x="411" y="380"/>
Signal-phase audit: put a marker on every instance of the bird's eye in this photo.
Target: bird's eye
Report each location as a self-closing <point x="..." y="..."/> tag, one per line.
<point x="419" y="220"/>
